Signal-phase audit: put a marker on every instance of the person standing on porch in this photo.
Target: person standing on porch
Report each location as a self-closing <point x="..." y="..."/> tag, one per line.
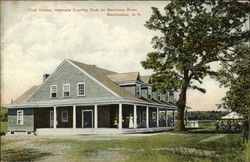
<point x="131" y="121"/>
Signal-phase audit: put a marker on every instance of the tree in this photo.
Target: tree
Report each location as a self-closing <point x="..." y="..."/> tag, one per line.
<point x="235" y="75"/>
<point x="3" y="114"/>
<point x="190" y="36"/>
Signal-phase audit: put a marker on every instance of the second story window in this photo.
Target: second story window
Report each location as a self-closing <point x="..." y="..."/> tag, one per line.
<point x="159" y="96"/>
<point x="19" y="117"/>
<point x="81" y="89"/>
<point x="138" y="90"/>
<point x="53" y="91"/>
<point x="66" y="90"/>
<point x="149" y="92"/>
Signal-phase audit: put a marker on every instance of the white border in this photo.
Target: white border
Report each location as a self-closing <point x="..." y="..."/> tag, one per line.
<point x="83" y="117"/>
<point x="63" y="90"/>
<point x="78" y="88"/>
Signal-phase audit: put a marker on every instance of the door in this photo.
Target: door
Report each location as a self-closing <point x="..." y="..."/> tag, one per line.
<point x="87" y="118"/>
<point x="51" y="119"/>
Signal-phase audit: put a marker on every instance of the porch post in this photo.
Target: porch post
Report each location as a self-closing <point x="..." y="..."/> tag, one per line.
<point x="120" y="116"/>
<point x="135" y="117"/>
<point x="96" y="116"/>
<point x="74" y="117"/>
<point x="147" y="122"/>
<point x="173" y="118"/>
<point x="55" y="120"/>
<point x="157" y="117"/>
<point x="166" y="117"/>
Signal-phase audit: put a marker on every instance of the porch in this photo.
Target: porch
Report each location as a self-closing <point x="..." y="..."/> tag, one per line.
<point x="102" y="118"/>
<point x="89" y="131"/>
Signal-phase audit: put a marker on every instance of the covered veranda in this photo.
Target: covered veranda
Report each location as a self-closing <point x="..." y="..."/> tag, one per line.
<point x="102" y="117"/>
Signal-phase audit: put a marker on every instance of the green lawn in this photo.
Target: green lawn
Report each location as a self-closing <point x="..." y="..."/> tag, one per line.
<point x="194" y="145"/>
<point x="164" y="147"/>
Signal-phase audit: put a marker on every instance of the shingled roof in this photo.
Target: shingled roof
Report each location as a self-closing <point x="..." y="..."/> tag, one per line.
<point x="26" y="95"/>
<point x="145" y="78"/>
<point x="124" y="77"/>
<point x="102" y="76"/>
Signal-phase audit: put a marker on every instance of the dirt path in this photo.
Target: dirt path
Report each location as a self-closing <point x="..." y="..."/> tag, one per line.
<point x="213" y="138"/>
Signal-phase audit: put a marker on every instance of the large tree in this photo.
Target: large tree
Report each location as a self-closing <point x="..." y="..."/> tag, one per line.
<point x="235" y="75"/>
<point x="191" y="34"/>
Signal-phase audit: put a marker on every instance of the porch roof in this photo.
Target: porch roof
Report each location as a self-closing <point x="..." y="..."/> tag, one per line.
<point x="86" y="102"/>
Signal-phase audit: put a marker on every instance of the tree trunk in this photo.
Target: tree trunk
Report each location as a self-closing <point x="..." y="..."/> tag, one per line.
<point x="181" y="103"/>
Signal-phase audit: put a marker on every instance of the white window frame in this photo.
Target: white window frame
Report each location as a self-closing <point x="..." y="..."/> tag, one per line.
<point x="83" y="89"/>
<point x="150" y="92"/>
<point x="159" y="96"/>
<point x="167" y="96"/>
<point x="51" y="91"/>
<point x="64" y="121"/>
<point x="138" y="90"/>
<point x="64" y="89"/>
<point x="19" y="118"/>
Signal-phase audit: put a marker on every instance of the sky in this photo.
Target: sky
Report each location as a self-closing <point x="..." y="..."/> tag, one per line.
<point x="36" y="38"/>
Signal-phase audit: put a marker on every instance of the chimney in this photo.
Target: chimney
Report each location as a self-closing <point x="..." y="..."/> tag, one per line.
<point x="45" y="76"/>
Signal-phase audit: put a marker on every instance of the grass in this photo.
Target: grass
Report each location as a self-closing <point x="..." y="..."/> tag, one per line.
<point x="4" y="127"/>
<point x="21" y="154"/>
<point x="162" y="147"/>
<point x="189" y="146"/>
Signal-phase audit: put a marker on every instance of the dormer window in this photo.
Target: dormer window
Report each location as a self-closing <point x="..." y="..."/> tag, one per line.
<point x="149" y="92"/>
<point x="138" y="90"/>
<point x="167" y="96"/>
<point x="66" y="90"/>
<point x="53" y="91"/>
<point x="171" y="96"/>
<point x="159" y="96"/>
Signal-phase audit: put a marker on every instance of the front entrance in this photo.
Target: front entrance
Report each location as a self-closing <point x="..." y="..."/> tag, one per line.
<point x="51" y="119"/>
<point x="87" y="118"/>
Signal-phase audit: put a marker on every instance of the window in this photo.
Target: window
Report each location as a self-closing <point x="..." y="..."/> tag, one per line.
<point x="19" y="117"/>
<point x="138" y="90"/>
<point x="149" y="92"/>
<point x="66" y="90"/>
<point x="159" y="96"/>
<point x="64" y="116"/>
<point x="53" y="91"/>
<point x="81" y="89"/>
<point x="171" y="96"/>
<point x="167" y="96"/>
